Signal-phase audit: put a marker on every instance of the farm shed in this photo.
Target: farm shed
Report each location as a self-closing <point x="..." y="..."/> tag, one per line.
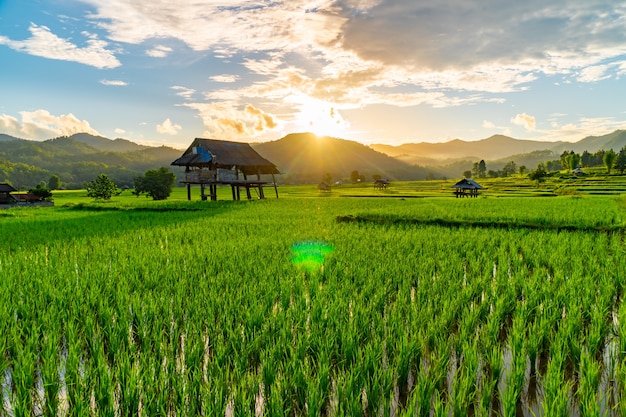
<point x="467" y="187"/>
<point x="5" y="194"/>
<point x="211" y="162"/>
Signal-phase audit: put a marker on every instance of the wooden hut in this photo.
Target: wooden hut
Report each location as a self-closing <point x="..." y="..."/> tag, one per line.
<point x="381" y="184"/>
<point x="324" y="187"/>
<point x="211" y="162"/>
<point x="467" y="187"/>
<point x="5" y="194"/>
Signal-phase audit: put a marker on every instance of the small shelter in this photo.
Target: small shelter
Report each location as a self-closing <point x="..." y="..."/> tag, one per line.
<point x="5" y="194"/>
<point x="381" y="184"/>
<point x="324" y="187"/>
<point x="467" y="187"/>
<point x="210" y="162"/>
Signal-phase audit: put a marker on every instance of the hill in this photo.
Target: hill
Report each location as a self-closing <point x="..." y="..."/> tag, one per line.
<point x="305" y="157"/>
<point x="107" y="145"/>
<point x="615" y="140"/>
<point x="78" y="159"/>
<point x="492" y="148"/>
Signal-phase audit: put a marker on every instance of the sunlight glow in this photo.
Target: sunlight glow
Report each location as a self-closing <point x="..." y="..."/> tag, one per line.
<point x="321" y="118"/>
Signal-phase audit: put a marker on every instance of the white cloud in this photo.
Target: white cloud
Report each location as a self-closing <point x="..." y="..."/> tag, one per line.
<point x="159" y="51"/>
<point x="354" y="53"/>
<point x="184" y="92"/>
<point x="40" y="125"/>
<point x="489" y="125"/>
<point x="594" y="73"/>
<point x="115" y="83"/>
<point x="233" y="122"/>
<point x="224" y="78"/>
<point x="523" y="119"/>
<point x="575" y="130"/>
<point x="119" y="131"/>
<point x="46" y="44"/>
<point x="169" y="128"/>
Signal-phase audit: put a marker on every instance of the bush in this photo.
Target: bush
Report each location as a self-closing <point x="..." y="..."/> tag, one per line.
<point x="156" y="183"/>
<point x="42" y="192"/>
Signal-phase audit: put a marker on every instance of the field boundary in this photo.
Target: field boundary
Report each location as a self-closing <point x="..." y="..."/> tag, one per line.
<point x="386" y="220"/>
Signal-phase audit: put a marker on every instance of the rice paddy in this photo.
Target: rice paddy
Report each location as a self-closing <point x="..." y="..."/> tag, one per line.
<point x="316" y="306"/>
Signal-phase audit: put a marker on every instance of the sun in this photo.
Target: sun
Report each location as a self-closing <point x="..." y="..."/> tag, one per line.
<point x="322" y="119"/>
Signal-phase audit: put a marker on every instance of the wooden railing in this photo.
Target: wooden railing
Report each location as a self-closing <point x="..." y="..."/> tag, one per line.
<point x="200" y="176"/>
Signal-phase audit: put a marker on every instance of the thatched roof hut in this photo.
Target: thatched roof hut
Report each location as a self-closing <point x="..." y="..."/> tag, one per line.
<point x="211" y="162"/>
<point x="467" y="187"/>
<point x="213" y="154"/>
<point x="5" y="193"/>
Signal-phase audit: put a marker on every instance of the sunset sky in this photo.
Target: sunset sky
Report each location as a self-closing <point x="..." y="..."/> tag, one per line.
<point x="375" y="71"/>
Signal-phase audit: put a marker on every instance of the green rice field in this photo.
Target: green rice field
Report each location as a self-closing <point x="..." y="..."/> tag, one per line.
<point x="404" y="302"/>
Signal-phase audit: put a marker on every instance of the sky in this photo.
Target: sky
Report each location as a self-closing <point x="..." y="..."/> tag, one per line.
<point x="376" y="71"/>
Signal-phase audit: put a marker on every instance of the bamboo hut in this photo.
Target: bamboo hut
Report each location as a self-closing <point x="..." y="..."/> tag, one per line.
<point x="212" y="162"/>
<point x="467" y="187"/>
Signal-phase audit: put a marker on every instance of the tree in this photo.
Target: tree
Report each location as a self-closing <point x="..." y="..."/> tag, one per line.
<point x="479" y="169"/>
<point x="42" y="192"/>
<point x="572" y="160"/>
<point x="54" y="183"/>
<point x="538" y="174"/>
<point x="355" y="176"/>
<point x="609" y="160"/>
<point x="327" y="178"/>
<point x="509" y="169"/>
<point x="522" y="169"/>
<point x="156" y="183"/>
<point x="620" y="161"/>
<point x="467" y="174"/>
<point x="101" y="188"/>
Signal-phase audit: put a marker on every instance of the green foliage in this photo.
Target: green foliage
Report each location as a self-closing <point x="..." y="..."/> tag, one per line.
<point x="101" y="188"/>
<point x="156" y="183"/>
<point x="479" y="169"/>
<point x="620" y="161"/>
<point x="54" y="182"/>
<point x="609" y="160"/>
<point x="538" y="174"/>
<point x="42" y="192"/>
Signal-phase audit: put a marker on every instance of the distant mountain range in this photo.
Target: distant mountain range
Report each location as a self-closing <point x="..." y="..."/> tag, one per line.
<point x="495" y="148"/>
<point x="301" y="157"/>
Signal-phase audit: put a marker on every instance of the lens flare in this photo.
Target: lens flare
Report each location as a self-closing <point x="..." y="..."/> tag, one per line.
<point x="310" y="255"/>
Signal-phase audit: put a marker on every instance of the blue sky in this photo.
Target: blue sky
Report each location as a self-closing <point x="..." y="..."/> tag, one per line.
<point x="375" y="71"/>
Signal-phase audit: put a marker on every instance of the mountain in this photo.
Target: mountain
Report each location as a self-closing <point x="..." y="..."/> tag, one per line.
<point x="615" y="140"/>
<point x="78" y="159"/>
<point x="305" y="157"/>
<point x="107" y="145"/>
<point x="7" y="138"/>
<point x="494" y="147"/>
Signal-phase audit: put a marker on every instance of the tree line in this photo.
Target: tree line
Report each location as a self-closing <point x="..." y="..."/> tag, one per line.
<point x="570" y="160"/>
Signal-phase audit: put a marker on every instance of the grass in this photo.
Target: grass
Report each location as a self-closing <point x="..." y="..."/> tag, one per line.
<point x="314" y="303"/>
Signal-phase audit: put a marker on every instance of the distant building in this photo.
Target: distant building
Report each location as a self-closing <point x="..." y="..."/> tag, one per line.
<point x="467" y="187"/>
<point x="5" y="194"/>
<point x="324" y="187"/>
<point x="381" y="184"/>
<point x="211" y="162"/>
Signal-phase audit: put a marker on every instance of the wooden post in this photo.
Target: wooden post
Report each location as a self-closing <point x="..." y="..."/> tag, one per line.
<point x="188" y="191"/>
<point x="275" y="188"/>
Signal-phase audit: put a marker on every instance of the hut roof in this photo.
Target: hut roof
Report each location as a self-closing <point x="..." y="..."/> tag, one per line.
<point x="6" y="188"/>
<point x="225" y="154"/>
<point x="467" y="184"/>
